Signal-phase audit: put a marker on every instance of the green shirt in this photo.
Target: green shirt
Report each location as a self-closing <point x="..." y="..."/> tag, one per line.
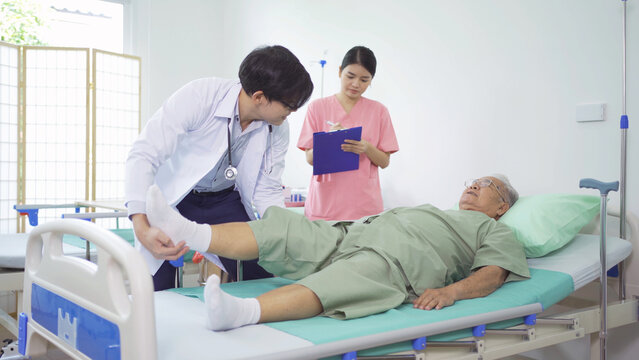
<point x="435" y="248"/>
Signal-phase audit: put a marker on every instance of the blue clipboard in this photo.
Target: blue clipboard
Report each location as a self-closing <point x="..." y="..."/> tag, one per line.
<point x="328" y="156"/>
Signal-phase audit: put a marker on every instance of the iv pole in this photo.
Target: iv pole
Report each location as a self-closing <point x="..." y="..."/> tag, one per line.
<point x="322" y="62"/>
<point x="624" y="129"/>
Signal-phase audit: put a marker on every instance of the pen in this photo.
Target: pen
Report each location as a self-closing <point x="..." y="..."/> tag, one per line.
<point x="330" y="123"/>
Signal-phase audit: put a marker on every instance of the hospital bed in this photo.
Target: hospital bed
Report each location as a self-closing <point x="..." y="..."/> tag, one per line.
<point x="109" y="311"/>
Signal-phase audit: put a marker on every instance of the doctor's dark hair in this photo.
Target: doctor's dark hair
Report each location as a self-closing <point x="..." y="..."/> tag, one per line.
<point x="278" y="73"/>
<point x="361" y="55"/>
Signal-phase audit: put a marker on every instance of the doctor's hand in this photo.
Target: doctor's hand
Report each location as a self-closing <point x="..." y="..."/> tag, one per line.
<point x="157" y="242"/>
<point x="435" y="299"/>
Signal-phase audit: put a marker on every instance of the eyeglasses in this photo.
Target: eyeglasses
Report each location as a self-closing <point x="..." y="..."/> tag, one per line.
<point x="287" y="105"/>
<point x="482" y="183"/>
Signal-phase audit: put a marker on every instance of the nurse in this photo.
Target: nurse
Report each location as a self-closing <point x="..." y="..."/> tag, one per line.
<point x="350" y="195"/>
<point x="216" y="150"/>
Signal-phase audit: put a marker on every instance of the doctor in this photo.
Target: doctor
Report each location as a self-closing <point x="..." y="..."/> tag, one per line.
<point x="216" y="149"/>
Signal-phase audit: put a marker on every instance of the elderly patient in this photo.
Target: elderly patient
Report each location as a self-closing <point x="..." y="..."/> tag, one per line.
<point x="421" y="254"/>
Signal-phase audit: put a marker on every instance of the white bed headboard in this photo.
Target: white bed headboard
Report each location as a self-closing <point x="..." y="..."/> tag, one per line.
<point x="72" y="299"/>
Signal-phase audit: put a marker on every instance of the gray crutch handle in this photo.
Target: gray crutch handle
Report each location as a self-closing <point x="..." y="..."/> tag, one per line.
<point x="603" y="187"/>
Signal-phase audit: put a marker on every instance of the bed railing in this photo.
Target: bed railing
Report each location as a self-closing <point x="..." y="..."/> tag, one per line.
<point x="72" y="299"/>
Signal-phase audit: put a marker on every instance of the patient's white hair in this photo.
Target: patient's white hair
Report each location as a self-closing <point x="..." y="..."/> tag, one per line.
<point x="513" y="195"/>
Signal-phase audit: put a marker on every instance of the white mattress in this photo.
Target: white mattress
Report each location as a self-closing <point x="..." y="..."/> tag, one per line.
<point x="181" y="333"/>
<point x="13" y="249"/>
<point x="580" y="258"/>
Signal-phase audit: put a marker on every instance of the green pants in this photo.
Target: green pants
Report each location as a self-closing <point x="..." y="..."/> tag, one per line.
<point x="350" y="281"/>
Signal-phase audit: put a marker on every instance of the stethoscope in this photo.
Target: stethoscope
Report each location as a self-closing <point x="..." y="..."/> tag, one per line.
<point x="231" y="171"/>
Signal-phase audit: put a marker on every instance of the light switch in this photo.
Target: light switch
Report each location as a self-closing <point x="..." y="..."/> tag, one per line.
<point x="590" y="112"/>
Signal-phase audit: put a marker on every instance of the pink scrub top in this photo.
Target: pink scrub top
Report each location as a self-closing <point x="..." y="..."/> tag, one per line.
<point x="347" y="195"/>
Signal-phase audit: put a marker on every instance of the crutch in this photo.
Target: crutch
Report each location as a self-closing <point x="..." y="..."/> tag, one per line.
<point x="604" y="189"/>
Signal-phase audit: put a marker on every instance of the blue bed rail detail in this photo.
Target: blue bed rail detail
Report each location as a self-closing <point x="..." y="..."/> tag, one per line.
<point x="23" y="319"/>
<point x="32" y="214"/>
<point x="623" y="124"/>
<point x="530" y="319"/>
<point x="177" y="263"/>
<point x="94" y="336"/>
<point x="350" y="356"/>
<point x="419" y="343"/>
<point x="85" y="219"/>
<point x="479" y="330"/>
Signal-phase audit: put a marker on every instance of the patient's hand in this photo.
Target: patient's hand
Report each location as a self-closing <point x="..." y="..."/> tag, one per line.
<point x="480" y="283"/>
<point x="435" y="299"/>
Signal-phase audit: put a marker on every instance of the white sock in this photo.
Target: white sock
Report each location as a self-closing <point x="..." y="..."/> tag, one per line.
<point x="225" y="311"/>
<point x="176" y="226"/>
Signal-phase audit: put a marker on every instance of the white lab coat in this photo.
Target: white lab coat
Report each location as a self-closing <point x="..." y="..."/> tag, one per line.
<point x="184" y="140"/>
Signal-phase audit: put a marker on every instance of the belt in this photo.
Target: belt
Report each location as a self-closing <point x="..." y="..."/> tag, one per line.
<point x="213" y="193"/>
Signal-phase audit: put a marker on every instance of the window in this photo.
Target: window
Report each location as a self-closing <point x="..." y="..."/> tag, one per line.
<point x="84" y="23"/>
<point x="66" y="127"/>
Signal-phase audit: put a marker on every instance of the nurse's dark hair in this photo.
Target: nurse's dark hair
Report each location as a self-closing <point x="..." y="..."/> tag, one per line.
<point x="361" y="55"/>
<point x="278" y="73"/>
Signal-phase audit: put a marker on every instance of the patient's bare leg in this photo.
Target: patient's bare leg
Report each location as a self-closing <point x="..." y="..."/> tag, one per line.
<point x="232" y="240"/>
<point x="225" y="311"/>
<point x="290" y="302"/>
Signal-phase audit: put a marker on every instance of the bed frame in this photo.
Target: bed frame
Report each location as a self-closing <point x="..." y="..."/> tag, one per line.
<point x="124" y="302"/>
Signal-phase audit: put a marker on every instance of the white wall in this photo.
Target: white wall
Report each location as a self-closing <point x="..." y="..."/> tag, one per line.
<point x="473" y="87"/>
<point x="178" y="41"/>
